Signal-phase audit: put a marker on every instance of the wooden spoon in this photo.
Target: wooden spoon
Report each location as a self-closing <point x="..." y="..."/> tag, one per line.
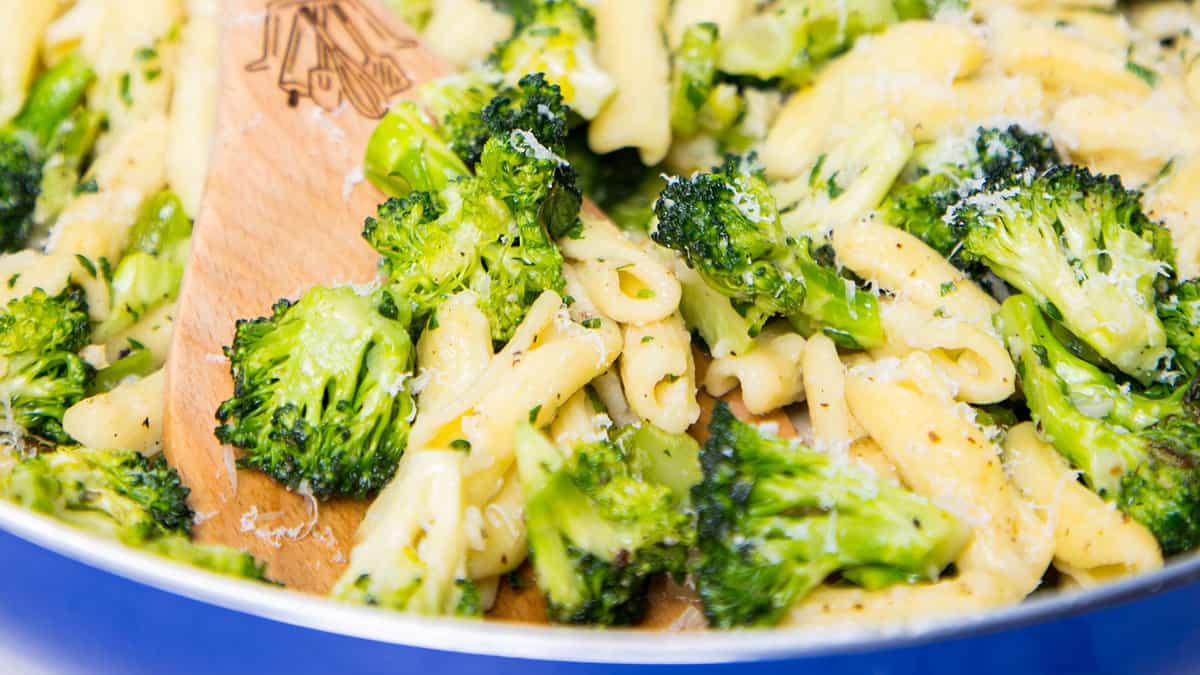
<point x="283" y="210"/>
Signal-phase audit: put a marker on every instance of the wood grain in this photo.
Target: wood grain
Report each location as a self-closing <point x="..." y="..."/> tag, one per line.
<point x="282" y="211"/>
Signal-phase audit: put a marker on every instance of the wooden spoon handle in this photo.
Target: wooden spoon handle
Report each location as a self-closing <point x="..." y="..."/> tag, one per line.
<point x="283" y="210"/>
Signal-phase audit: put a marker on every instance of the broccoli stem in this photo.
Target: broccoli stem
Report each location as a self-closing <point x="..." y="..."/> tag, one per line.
<point x="849" y="317"/>
<point x="72" y="143"/>
<point x="406" y="153"/>
<point x="53" y="97"/>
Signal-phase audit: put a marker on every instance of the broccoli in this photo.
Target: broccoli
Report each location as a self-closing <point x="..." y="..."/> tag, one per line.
<point x="475" y="106"/>
<point x="943" y="174"/>
<point x="122" y="495"/>
<point x="557" y="37"/>
<point x="698" y="100"/>
<point x="320" y="397"/>
<point x="406" y="153"/>
<point x="151" y="270"/>
<point x="710" y="314"/>
<point x="409" y="553"/>
<point x="618" y="182"/>
<point x="24" y="145"/>
<point x="137" y="362"/>
<point x="789" y="40"/>
<point x="491" y="233"/>
<point x="845" y="183"/>
<point x="1136" y="451"/>
<point x="727" y="227"/>
<point x="1179" y="311"/>
<point x="603" y="520"/>
<point x="776" y="519"/>
<point x="1080" y="245"/>
<point x="40" y="336"/>
<point x="66" y="154"/>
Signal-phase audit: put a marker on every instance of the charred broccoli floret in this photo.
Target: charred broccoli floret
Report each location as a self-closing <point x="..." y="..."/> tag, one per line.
<point x="1137" y="451"/>
<point x="602" y="521"/>
<point x="40" y="336"/>
<point x="475" y="106"/>
<point x="151" y="270"/>
<point x="491" y="233"/>
<point x="556" y="37"/>
<point x="320" y="394"/>
<point x="25" y="145"/>
<point x="776" y="519"/>
<point x="122" y="495"/>
<point x="727" y="227"/>
<point x="1080" y="245"/>
<point x="943" y="174"/>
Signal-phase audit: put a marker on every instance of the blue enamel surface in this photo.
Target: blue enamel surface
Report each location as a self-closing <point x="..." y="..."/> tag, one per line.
<point x="76" y="619"/>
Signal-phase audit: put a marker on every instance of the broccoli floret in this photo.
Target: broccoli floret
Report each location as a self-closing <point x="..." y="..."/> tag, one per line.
<point x="557" y="37"/>
<point x="845" y="183"/>
<point x="122" y="495"/>
<point x="727" y="227"/>
<point x="777" y="519"/>
<point x="406" y="153"/>
<point x="1080" y="245"/>
<point x="43" y="374"/>
<point x="491" y="233"/>
<point x="409" y="553"/>
<point x="475" y="106"/>
<point x="151" y="270"/>
<point x="24" y="145"/>
<point x="320" y="396"/>
<point x="791" y="38"/>
<point x="943" y="174"/>
<point x="602" y="521"/>
<point x="1180" y="313"/>
<point x="1138" y="452"/>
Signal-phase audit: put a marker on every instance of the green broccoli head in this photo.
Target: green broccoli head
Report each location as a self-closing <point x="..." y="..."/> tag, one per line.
<point x="320" y="397"/>
<point x="602" y="521"/>
<point x="1179" y="311"/>
<point x="115" y="493"/>
<point x="43" y="374"/>
<point x="1137" y="451"/>
<point x="945" y="173"/>
<point x="727" y="227"/>
<point x="1080" y="245"/>
<point x="776" y="519"/>
<point x="491" y="233"/>
<point x="557" y="37"/>
<point x="24" y="145"/>
<point x="406" y="153"/>
<point x="789" y="40"/>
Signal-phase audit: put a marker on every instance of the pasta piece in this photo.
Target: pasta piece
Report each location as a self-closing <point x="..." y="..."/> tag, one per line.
<point x="579" y="421"/>
<point x="931" y="110"/>
<point x="611" y="393"/>
<point x="97" y="225"/>
<point x="975" y="361"/>
<point x="194" y="105"/>
<point x="549" y="358"/>
<point x="770" y="375"/>
<point x="24" y="22"/>
<point x="659" y="374"/>
<point x="153" y="331"/>
<point x="1176" y="202"/>
<point x="26" y="270"/>
<point x="726" y="14"/>
<point x="625" y="280"/>
<point x="1093" y="541"/>
<point x="825" y="386"/>
<point x="947" y="458"/>
<point x="905" y="265"/>
<point x="501" y="532"/>
<point x="1025" y="44"/>
<point x="925" y="50"/>
<point x="1111" y="134"/>
<point x="464" y="31"/>
<point x="453" y="353"/>
<point x="128" y="417"/>
<point x="866" y="452"/>
<point x="630" y="48"/>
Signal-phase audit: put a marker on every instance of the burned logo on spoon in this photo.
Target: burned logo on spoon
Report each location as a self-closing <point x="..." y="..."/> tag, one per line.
<point x="330" y="52"/>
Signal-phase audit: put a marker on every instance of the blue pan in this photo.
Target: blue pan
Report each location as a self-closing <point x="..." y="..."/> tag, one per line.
<point x="70" y="603"/>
